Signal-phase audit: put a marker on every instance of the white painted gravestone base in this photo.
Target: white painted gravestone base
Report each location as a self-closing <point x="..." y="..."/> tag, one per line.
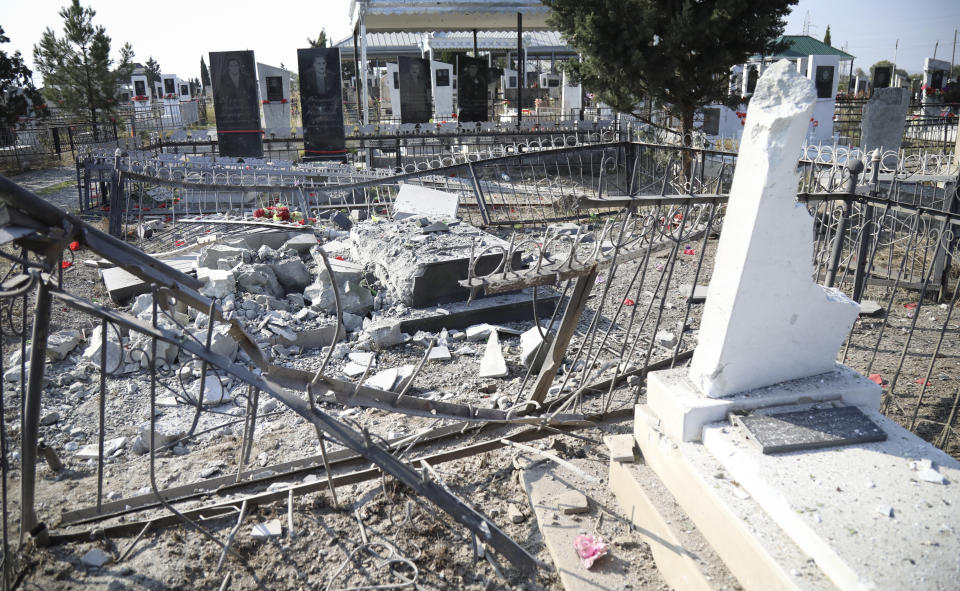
<point x="765" y="320"/>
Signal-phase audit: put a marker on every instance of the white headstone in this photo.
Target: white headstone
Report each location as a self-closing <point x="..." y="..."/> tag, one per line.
<point x="275" y="99"/>
<point x="442" y="84"/>
<point x="824" y="70"/>
<point x="572" y="96"/>
<point x="393" y="83"/>
<point x="765" y="320"/>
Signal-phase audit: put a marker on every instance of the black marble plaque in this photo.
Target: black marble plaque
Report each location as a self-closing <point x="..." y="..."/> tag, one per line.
<point x="415" y="101"/>
<point x="321" y="101"/>
<point x="936" y="79"/>
<point x="810" y="429"/>
<point x="169" y="86"/>
<point x="711" y="121"/>
<point x="274" y="88"/>
<point x="235" y="103"/>
<point x="443" y="77"/>
<point x="139" y="88"/>
<point x="472" y="80"/>
<point x="184" y="90"/>
<point x="752" y="77"/>
<point x="882" y="76"/>
<point x="824" y="82"/>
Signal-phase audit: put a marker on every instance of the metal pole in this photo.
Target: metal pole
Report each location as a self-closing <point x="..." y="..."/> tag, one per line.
<point x="476" y="55"/>
<point x="356" y="63"/>
<point x="31" y="414"/>
<point x="363" y="59"/>
<point x="520" y="72"/>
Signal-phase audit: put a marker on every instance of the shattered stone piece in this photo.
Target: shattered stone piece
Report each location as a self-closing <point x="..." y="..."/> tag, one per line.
<point x="282" y="332"/>
<point x="95" y="558"/>
<point x="479" y="332"/>
<point x="93" y="350"/>
<point x="164" y="433"/>
<point x="301" y="242"/>
<point x="384" y="333"/>
<point x="885" y="510"/>
<point x="493" y="365"/>
<point x="352" y="322"/>
<point x="259" y="279"/>
<point x="666" y="339"/>
<point x="384" y="380"/>
<point x="414" y="201"/>
<point x="362" y="358"/>
<point x="292" y="275"/>
<point x="870" y="308"/>
<point x="353" y="370"/>
<point x="214" y="393"/>
<point x="267" y="530"/>
<point x="515" y="514"/>
<point x="92" y="451"/>
<point x="61" y="343"/>
<point x="341" y="220"/>
<point x="49" y="418"/>
<point x="340" y="351"/>
<point x="439" y="353"/>
<point x="572" y="502"/>
<point x="216" y="283"/>
<point x="932" y="475"/>
<point x="210" y="256"/>
<point x="530" y="350"/>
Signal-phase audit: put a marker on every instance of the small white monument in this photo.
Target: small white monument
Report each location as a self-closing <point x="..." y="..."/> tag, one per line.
<point x="936" y="74"/>
<point x="275" y="99"/>
<point x="571" y="98"/>
<point x="141" y="92"/>
<point x="824" y="71"/>
<point x="443" y="79"/>
<point x="171" y="99"/>
<point x="393" y="82"/>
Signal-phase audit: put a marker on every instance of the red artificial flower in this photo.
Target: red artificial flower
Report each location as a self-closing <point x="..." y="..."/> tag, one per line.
<point x="688" y="250"/>
<point x="66" y="265"/>
<point x="628" y="302"/>
<point x="74" y="246"/>
<point x="922" y="382"/>
<point x="266" y="102"/>
<point x="283" y="101"/>
<point x="179" y="243"/>
<point x="338" y="257"/>
<point x="312" y="220"/>
<point x="259" y="213"/>
<point x="302" y="222"/>
<point x="910" y="306"/>
<point x="876" y="379"/>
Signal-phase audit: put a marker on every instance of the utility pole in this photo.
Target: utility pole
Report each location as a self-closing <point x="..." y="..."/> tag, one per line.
<point x="954" y="54"/>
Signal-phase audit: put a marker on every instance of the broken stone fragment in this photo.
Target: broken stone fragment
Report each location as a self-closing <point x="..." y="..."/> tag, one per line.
<point x="61" y="343"/>
<point x="292" y="275"/>
<point x="211" y="256"/>
<point x="384" y="333"/>
<point x="493" y="365"/>
<point x="164" y="433"/>
<point x="531" y="353"/>
<point x="214" y="393"/>
<point x="267" y="530"/>
<point x="259" y="279"/>
<point x="573" y="502"/>
<point x="95" y="558"/>
<point x="301" y="242"/>
<point x="216" y="283"/>
<point x="114" y="352"/>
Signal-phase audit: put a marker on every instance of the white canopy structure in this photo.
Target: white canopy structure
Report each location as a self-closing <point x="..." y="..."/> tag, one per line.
<point x="403" y="17"/>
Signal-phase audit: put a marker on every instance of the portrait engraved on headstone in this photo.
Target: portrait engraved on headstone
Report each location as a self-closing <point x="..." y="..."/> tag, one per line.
<point x="169" y="86"/>
<point x="235" y="103"/>
<point x="321" y="103"/>
<point x="443" y="77"/>
<point x="824" y="81"/>
<point x="881" y="76"/>
<point x="415" y="104"/>
<point x="140" y="88"/>
<point x="936" y="79"/>
<point x="274" y="88"/>
<point x="473" y="80"/>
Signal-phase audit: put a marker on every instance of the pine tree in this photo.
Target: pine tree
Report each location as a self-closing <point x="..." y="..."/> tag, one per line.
<point x="76" y="67"/>
<point x="677" y="52"/>
<point x="18" y="96"/>
<point x="204" y="73"/>
<point x="826" y="36"/>
<point x="320" y="41"/>
<point x="152" y="72"/>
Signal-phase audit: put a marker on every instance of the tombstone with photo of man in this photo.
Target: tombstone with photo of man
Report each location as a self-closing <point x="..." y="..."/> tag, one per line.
<point x="236" y="104"/>
<point x="472" y="83"/>
<point x="414" y="74"/>
<point x="321" y="103"/>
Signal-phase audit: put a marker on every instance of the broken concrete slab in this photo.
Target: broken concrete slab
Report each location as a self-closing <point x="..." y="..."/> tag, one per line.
<point x="871" y="308"/>
<point x="621" y="448"/>
<point x="216" y="283"/>
<point x="493" y="365"/>
<point x="694" y="295"/>
<point x="95" y="558"/>
<point x="259" y="278"/>
<point x="61" y="343"/>
<point x="212" y="255"/>
<point x="292" y="275"/>
<point x="267" y="530"/>
<point x="439" y="353"/>
<point x="417" y="201"/>
<point x="572" y="502"/>
<point x="302" y="243"/>
<point x="114" y="352"/>
<point x="385" y="333"/>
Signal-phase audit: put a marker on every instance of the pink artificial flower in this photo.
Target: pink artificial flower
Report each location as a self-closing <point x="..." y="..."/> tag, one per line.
<point x="589" y="548"/>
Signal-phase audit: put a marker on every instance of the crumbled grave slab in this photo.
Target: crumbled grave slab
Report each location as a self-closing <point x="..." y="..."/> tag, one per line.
<point x="493" y="365"/>
<point x="267" y="530"/>
<point x="416" y="201"/>
<point x="420" y="269"/>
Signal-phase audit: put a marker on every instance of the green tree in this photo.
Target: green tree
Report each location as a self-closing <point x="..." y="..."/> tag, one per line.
<point x="76" y="67"/>
<point x="125" y="66"/>
<point x="320" y="41"/>
<point x="204" y="73"/>
<point x="152" y="72"/>
<point x="887" y="64"/>
<point x="826" y="36"/>
<point x="17" y="92"/>
<point x="678" y="52"/>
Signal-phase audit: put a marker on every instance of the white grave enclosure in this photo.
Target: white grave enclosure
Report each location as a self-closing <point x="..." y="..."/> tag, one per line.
<point x="441" y="76"/>
<point x="139" y="82"/>
<point x="275" y="99"/>
<point x="393" y="83"/>
<point x="571" y="96"/>
<point x="765" y="320"/>
<point x="818" y="68"/>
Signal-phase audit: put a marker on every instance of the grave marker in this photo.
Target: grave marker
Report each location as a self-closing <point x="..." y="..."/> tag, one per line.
<point x="414" y="90"/>
<point x="321" y="103"/>
<point x="235" y="103"/>
<point x="472" y="83"/>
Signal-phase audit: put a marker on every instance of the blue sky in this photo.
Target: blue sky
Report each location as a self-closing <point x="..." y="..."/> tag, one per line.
<point x="178" y="32"/>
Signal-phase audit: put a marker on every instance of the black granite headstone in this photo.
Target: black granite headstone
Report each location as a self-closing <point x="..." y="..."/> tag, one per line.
<point x="139" y="88"/>
<point x="824" y="81"/>
<point x="274" y="88"/>
<point x="321" y="101"/>
<point x="235" y="103"/>
<point x="414" y="90"/>
<point x="169" y="86"/>
<point x="472" y="83"/>
<point x="810" y="429"/>
<point x="882" y="76"/>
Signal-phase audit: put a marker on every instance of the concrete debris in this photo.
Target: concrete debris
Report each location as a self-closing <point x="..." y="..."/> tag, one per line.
<point x="95" y="558"/>
<point x="341" y="220"/>
<point x="384" y="333"/>
<point x="267" y="530"/>
<point x="214" y="393"/>
<point x="293" y="275"/>
<point x="362" y="358"/>
<point x="164" y="434"/>
<point x="885" y="510"/>
<point x="50" y="418"/>
<point x="666" y="339"/>
<point x="212" y="255"/>
<point x="384" y="380"/>
<point x="110" y="447"/>
<point x="302" y="243"/>
<point x="932" y="475"/>
<point x="114" y="352"/>
<point x="352" y="370"/>
<point x="515" y="514"/>
<point x="259" y="279"/>
<point x="216" y="283"/>
<point x="493" y="365"/>
<point x="572" y="502"/>
<point x="439" y="353"/>
<point x="61" y="343"/>
<point x="416" y="201"/>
